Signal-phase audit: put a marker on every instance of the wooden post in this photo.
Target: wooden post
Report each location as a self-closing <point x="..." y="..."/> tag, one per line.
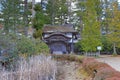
<point x="72" y="46"/>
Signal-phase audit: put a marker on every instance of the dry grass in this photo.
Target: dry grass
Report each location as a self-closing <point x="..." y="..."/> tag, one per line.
<point x="68" y="57"/>
<point x="35" y="68"/>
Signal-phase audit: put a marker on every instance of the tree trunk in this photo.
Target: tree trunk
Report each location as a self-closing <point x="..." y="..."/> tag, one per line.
<point x="26" y="10"/>
<point x="33" y="12"/>
<point x="53" y="13"/>
<point x="114" y="49"/>
<point x="86" y="54"/>
<point x="25" y="16"/>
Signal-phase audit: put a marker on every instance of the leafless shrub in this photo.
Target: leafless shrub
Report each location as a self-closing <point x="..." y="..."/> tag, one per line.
<point x="35" y="68"/>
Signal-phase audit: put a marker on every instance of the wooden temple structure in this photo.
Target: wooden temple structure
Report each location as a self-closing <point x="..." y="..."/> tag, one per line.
<point x="60" y="39"/>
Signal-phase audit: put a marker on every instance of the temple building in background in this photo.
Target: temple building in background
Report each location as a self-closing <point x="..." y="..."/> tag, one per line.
<point x="60" y="39"/>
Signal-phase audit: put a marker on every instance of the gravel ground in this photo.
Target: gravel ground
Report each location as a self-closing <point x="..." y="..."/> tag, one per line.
<point x="69" y="71"/>
<point x="114" y="62"/>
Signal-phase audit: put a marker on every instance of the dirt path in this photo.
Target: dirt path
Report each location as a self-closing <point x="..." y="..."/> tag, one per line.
<point x="70" y="71"/>
<point x="112" y="61"/>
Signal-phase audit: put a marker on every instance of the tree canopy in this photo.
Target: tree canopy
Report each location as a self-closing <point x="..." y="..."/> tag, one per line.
<point x="91" y="29"/>
<point x="114" y="27"/>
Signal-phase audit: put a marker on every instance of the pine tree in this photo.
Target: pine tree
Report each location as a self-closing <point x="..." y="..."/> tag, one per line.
<point x="11" y="14"/>
<point x="57" y="10"/>
<point x="39" y="20"/>
<point x="51" y="10"/>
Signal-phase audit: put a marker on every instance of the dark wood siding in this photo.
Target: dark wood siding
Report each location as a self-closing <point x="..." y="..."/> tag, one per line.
<point x="58" y="46"/>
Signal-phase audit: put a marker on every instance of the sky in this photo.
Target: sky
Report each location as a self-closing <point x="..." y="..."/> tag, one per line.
<point x="37" y="0"/>
<point x="118" y="0"/>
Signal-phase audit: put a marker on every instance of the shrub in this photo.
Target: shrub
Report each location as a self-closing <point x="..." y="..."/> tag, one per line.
<point x="28" y="47"/>
<point x="8" y="50"/>
<point x="41" y="47"/>
<point x="12" y="46"/>
<point x="37" y="34"/>
<point x="25" y="46"/>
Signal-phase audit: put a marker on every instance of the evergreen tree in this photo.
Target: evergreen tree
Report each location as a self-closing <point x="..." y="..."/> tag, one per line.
<point x="57" y="10"/>
<point x="81" y="13"/>
<point x="26" y="13"/>
<point x="11" y="14"/>
<point x="39" y="20"/>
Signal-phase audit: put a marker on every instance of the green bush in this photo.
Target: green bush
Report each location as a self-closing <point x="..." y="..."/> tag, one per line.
<point x="37" y="34"/>
<point x="78" y="47"/>
<point x="8" y="49"/>
<point x="12" y="46"/>
<point x="25" y="46"/>
<point x="41" y="47"/>
<point x="29" y="47"/>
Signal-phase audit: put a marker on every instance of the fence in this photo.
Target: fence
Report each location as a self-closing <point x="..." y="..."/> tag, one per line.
<point x="95" y="54"/>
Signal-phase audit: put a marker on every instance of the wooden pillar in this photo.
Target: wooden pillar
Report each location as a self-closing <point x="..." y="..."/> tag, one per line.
<point x="72" y="46"/>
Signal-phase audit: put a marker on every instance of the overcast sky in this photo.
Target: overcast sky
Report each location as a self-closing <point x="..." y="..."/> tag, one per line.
<point x="118" y="0"/>
<point x="38" y="0"/>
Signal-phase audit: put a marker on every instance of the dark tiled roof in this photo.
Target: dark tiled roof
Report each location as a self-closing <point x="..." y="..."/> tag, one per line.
<point x="63" y="28"/>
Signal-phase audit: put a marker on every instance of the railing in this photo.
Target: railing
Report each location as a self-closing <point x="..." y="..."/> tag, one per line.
<point x="96" y="54"/>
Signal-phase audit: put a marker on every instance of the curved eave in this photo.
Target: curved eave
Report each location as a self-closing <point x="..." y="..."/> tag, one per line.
<point x="57" y="34"/>
<point x="49" y="32"/>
